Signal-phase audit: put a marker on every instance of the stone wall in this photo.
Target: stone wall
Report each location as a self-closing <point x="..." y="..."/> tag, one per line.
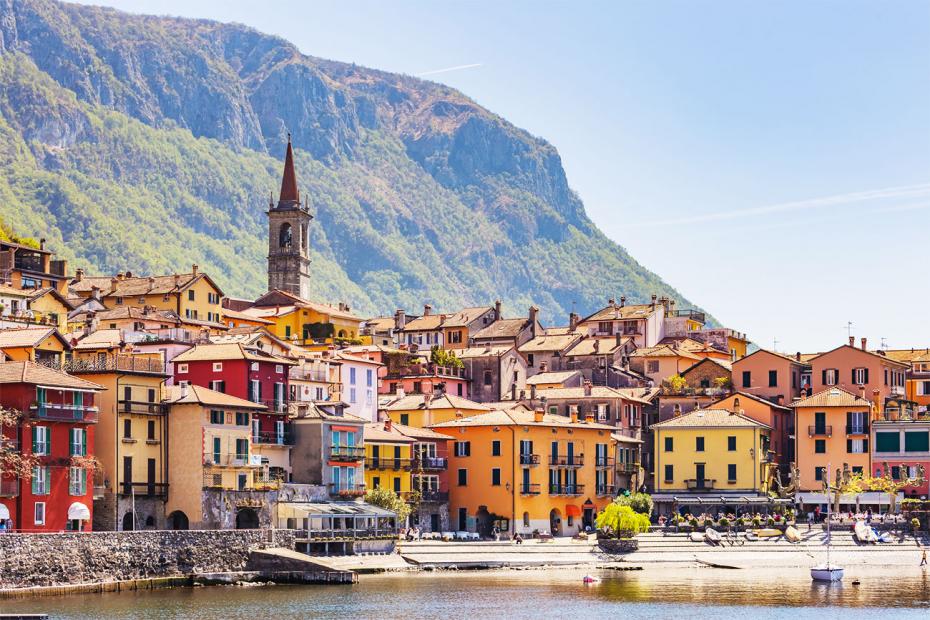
<point x="88" y="557"/>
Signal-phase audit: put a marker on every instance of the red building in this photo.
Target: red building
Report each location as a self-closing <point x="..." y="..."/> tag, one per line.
<point x="430" y="477"/>
<point x="247" y="373"/>
<point x="57" y="427"/>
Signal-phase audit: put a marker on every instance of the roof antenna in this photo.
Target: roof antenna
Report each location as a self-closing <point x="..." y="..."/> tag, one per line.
<point x="775" y="345"/>
<point x="849" y="328"/>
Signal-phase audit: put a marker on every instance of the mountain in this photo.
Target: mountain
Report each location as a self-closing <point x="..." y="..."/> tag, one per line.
<point x="150" y="143"/>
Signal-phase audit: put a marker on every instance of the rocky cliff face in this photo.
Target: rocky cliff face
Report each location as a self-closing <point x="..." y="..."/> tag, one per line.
<point x="419" y="193"/>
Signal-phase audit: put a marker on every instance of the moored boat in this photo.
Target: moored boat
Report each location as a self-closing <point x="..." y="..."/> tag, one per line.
<point x="792" y="534"/>
<point x="864" y="533"/>
<point x="712" y="536"/>
<point x="769" y="532"/>
<point x="827" y="572"/>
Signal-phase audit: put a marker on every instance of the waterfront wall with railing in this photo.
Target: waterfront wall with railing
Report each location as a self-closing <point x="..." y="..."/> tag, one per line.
<point x="28" y="560"/>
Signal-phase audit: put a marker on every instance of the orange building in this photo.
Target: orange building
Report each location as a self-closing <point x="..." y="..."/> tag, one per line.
<point x="850" y="367"/>
<point x="832" y="429"/>
<point x="771" y="375"/>
<point x="525" y="471"/>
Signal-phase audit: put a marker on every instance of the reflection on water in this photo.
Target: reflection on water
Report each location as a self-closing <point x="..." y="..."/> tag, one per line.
<point x="657" y="592"/>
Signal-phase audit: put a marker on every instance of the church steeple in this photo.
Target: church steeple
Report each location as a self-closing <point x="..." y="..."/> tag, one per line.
<point x="289" y="235"/>
<point x="289" y="192"/>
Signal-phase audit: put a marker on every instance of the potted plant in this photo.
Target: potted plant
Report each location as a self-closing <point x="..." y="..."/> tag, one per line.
<point x="757" y="521"/>
<point x="915" y="524"/>
<point x="723" y="522"/>
<point x="770" y="521"/>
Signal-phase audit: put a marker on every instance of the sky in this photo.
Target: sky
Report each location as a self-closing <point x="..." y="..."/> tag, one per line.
<point x="770" y="160"/>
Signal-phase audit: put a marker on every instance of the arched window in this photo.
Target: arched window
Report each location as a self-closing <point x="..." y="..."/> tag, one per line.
<point x="526" y="519"/>
<point x="284" y="236"/>
<point x="303" y="237"/>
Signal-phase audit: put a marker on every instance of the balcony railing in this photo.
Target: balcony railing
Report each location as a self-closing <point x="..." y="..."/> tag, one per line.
<point x="110" y="363"/>
<point x="144" y="489"/>
<point x="820" y="430"/>
<point x="431" y="463"/>
<point x="346" y="490"/>
<point x="65" y="412"/>
<point x="319" y="376"/>
<point x="273" y="438"/>
<point x="9" y="488"/>
<point x="857" y="429"/>
<point x="434" y="496"/>
<point x="227" y="459"/>
<point x="530" y="489"/>
<point x="529" y="459"/>
<point x="215" y="480"/>
<point x="602" y="462"/>
<point x="576" y="460"/>
<point x="628" y="468"/>
<point x="347" y="453"/>
<point x="566" y="489"/>
<point x="768" y="456"/>
<point x="267" y="481"/>
<point x="700" y="485"/>
<point x="604" y="489"/>
<point x="344" y="533"/>
<point x="388" y="463"/>
<point x="273" y="405"/>
<point x="142" y="407"/>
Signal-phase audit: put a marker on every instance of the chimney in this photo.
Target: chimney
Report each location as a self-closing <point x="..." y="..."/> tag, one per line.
<point x="538" y="415"/>
<point x="622" y="300"/>
<point x="611" y="302"/>
<point x="619" y="340"/>
<point x="42" y="243"/>
<point x="522" y="393"/>
<point x="513" y="391"/>
<point x="676" y="412"/>
<point x="400" y="392"/>
<point x="573" y="320"/>
<point x="400" y="319"/>
<point x="533" y="392"/>
<point x="587" y="388"/>
<point x="387" y="425"/>
<point x="79" y="275"/>
<point x="534" y="311"/>
<point x="852" y="341"/>
<point x="597" y="346"/>
<point x="114" y="282"/>
<point x="128" y="274"/>
<point x="780" y="400"/>
<point x="183" y="389"/>
<point x="735" y="406"/>
<point x="573" y="413"/>
<point x="427" y="309"/>
<point x="653" y="304"/>
<point x="177" y="280"/>
<point x="877" y="399"/>
<point x="497" y="310"/>
<point x="95" y="292"/>
<point x="459" y="414"/>
<point x="120" y="275"/>
<point x="543" y="367"/>
<point x="864" y="342"/>
<point x="589" y="418"/>
<point x="194" y="269"/>
<point x="797" y="356"/>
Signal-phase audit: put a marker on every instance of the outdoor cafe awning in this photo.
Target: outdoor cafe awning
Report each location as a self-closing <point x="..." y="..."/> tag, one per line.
<point x="716" y="500"/>
<point x="336" y="509"/>
<point x="78" y="511"/>
<point x="869" y="498"/>
<point x="571" y="510"/>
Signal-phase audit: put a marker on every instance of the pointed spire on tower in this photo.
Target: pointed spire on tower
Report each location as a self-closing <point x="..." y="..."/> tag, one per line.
<point x="289" y="180"/>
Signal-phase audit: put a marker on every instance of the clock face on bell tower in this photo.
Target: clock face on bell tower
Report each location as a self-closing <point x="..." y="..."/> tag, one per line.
<point x="289" y="236"/>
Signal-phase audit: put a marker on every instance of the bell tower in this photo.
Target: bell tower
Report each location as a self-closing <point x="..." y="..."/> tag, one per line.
<point x="289" y="236"/>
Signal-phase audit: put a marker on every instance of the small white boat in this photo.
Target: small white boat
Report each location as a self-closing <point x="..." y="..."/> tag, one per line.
<point x="696" y="537"/>
<point x="792" y="534"/>
<point x="864" y="533"/>
<point x="827" y="572"/>
<point x="712" y="536"/>
<point x="884" y="537"/>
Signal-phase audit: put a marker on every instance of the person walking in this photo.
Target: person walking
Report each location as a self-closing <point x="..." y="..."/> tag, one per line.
<point x="923" y="558"/>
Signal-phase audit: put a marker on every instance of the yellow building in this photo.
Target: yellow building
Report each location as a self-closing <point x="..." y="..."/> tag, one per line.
<point x="211" y="450"/>
<point x="388" y="454"/>
<point x="423" y="410"/>
<point x="304" y="322"/>
<point x="131" y="439"/>
<point x="34" y="344"/>
<point x="192" y="296"/>
<point x="525" y="471"/>
<point x="712" y="451"/>
<point x="50" y="308"/>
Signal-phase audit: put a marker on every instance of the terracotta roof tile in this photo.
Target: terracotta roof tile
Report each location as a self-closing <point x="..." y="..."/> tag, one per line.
<point x="710" y="418"/>
<point x="30" y="372"/>
<point x="197" y="394"/>
<point x="832" y="397"/>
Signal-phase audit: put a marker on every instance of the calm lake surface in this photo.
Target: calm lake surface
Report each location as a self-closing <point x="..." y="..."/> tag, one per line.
<point x="656" y="592"/>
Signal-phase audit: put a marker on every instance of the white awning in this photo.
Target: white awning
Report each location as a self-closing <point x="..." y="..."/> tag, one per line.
<point x="847" y="499"/>
<point x="79" y="511"/>
<point x="4" y="512"/>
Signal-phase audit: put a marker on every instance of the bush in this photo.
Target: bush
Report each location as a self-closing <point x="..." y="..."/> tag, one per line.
<point x="770" y="521"/>
<point x="723" y="522"/>
<point x="640" y="502"/>
<point x="383" y="497"/>
<point x="757" y="521"/>
<point x="693" y="522"/>
<point x="617" y="518"/>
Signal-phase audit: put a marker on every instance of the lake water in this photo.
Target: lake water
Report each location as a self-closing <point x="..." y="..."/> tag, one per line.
<point x="656" y="592"/>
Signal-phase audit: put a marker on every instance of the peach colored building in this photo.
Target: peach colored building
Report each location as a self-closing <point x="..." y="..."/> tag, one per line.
<point x="770" y="375"/>
<point x="851" y="368"/>
<point x="832" y="431"/>
<point x="780" y="419"/>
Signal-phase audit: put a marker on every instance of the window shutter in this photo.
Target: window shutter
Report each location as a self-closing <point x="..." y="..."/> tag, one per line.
<point x="48" y="439"/>
<point x="866" y="378"/>
<point x="35" y="438"/>
<point x="824" y="378"/>
<point x="865" y="445"/>
<point x="853" y="380"/>
<point x="849" y="445"/>
<point x="84" y="442"/>
<point x="35" y="480"/>
<point x="849" y="418"/>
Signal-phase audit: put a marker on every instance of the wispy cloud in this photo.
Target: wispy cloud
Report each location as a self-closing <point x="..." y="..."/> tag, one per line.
<point x="917" y="206"/>
<point x="449" y="69"/>
<point x="904" y="191"/>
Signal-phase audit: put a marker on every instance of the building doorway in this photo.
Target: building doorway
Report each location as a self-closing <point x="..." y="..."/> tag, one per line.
<point x="129" y="522"/>
<point x="247" y="519"/>
<point x="555" y="522"/>
<point x="177" y="520"/>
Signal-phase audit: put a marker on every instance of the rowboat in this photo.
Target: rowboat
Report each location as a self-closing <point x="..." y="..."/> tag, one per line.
<point x="864" y="533"/>
<point x="885" y="537"/>
<point x="792" y="534"/>
<point x="712" y="536"/>
<point x="696" y="537"/>
<point x="769" y="532"/>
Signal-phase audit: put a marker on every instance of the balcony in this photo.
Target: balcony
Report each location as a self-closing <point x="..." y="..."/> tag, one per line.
<point x="530" y="489"/>
<point x="110" y="363"/>
<point x="273" y="405"/>
<point x="226" y="459"/>
<point x="9" y="488"/>
<point x="529" y="459"/>
<point x="266" y="481"/>
<point x="431" y="463"/>
<point x="317" y="376"/>
<point x="388" y="463"/>
<point x="768" y="456"/>
<point x="700" y="485"/>
<point x="604" y="490"/>
<point x="566" y="489"/>
<point x="857" y="429"/>
<point x="62" y="412"/>
<point x="273" y="438"/>
<point x="144" y="489"/>
<point x="434" y="496"/>
<point x="142" y="407"/>
<point x="603" y="462"/>
<point x="346" y="490"/>
<point x="566" y="461"/>
<point x="820" y="430"/>
<point x="627" y="468"/>
<point x="346" y="453"/>
<point x="695" y="315"/>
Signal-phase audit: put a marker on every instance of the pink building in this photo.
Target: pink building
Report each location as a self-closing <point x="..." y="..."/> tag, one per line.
<point x="770" y="375"/>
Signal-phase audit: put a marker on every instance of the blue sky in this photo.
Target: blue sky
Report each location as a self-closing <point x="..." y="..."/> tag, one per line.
<point x="770" y="160"/>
